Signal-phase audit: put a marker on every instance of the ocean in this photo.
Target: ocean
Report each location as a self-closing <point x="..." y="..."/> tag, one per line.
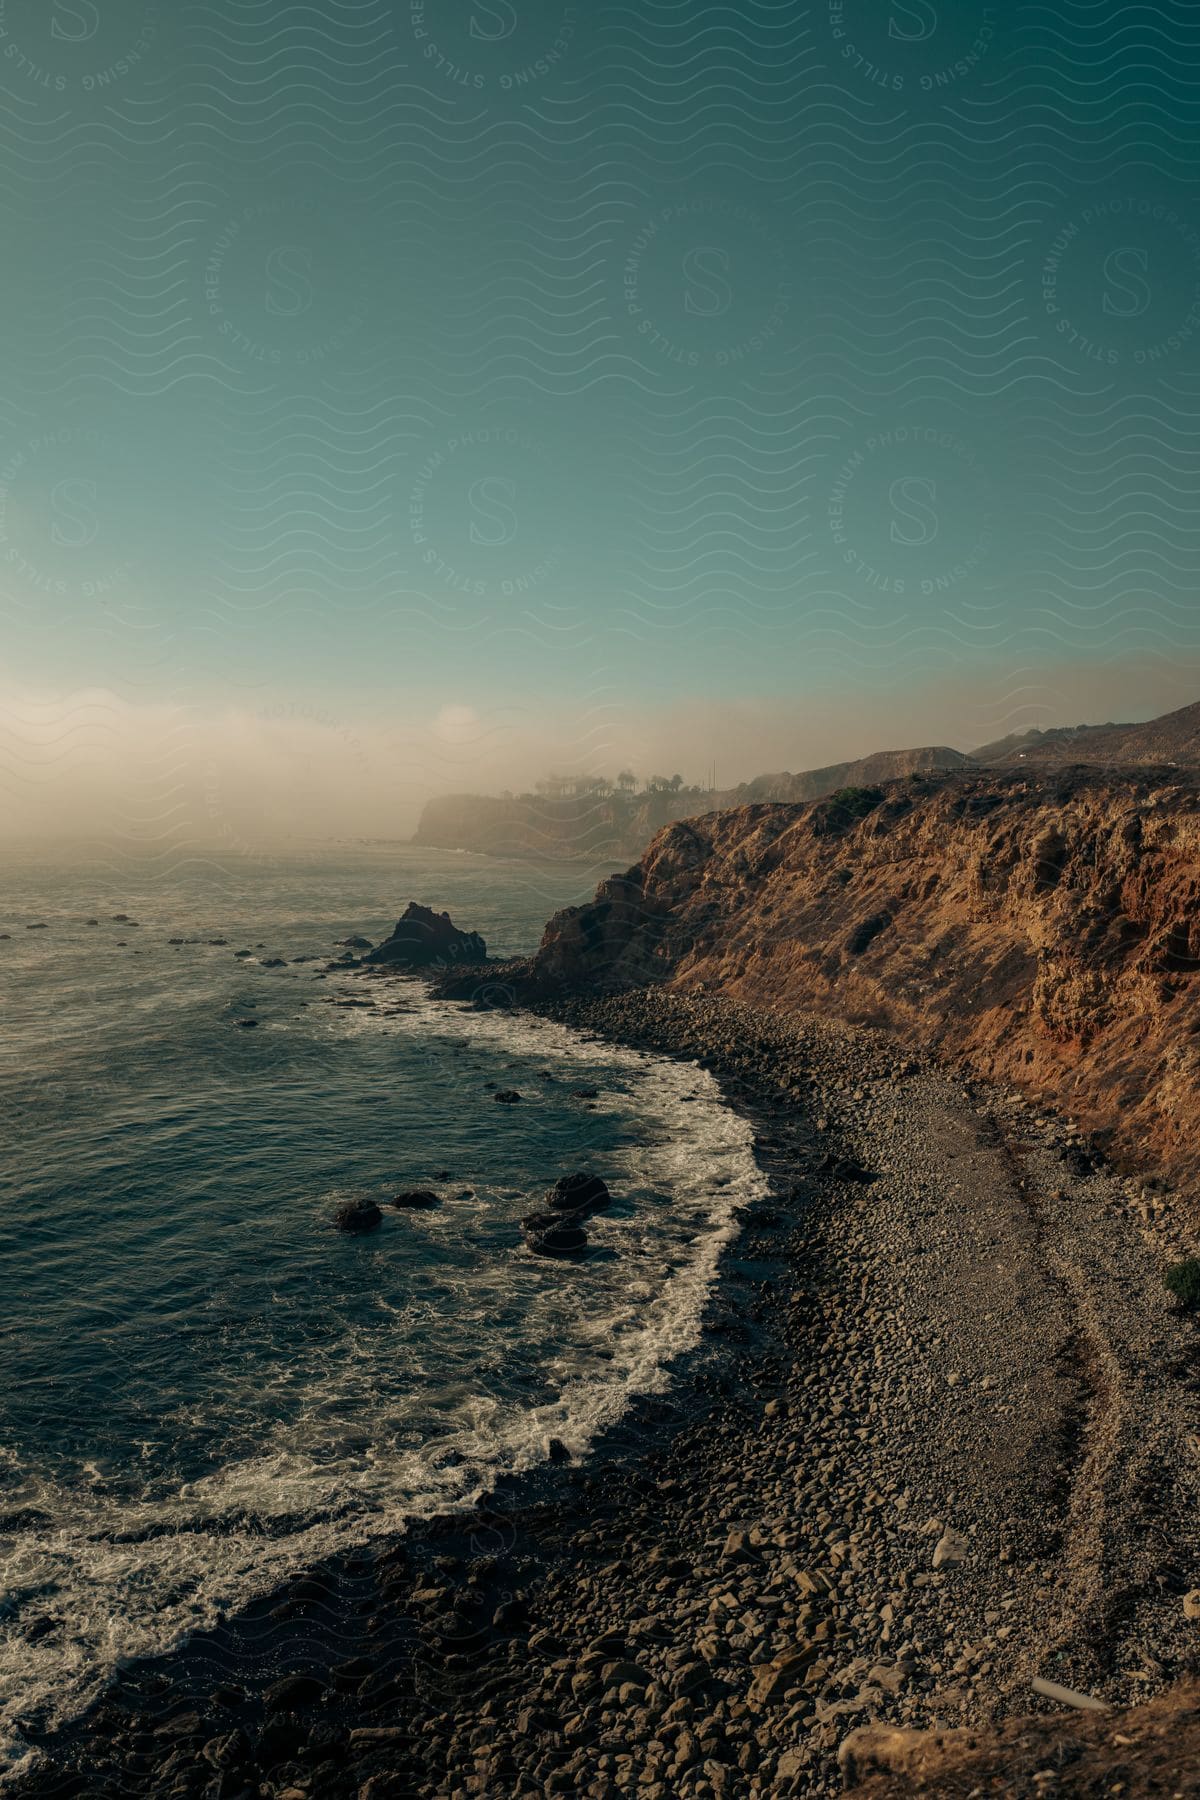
<point x="205" y="1386"/>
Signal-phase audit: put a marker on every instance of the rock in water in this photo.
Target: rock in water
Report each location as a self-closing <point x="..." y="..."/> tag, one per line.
<point x="418" y="1200"/>
<point x="550" y="1234"/>
<point x="507" y="1097"/>
<point x="579" y="1193"/>
<point x="357" y="1215"/>
<point x="423" y="938"/>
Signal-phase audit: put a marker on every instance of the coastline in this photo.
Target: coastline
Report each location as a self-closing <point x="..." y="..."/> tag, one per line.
<point x="742" y="1570"/>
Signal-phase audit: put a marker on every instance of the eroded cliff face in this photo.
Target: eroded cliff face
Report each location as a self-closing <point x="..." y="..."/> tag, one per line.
<point x="1044" y="925"/>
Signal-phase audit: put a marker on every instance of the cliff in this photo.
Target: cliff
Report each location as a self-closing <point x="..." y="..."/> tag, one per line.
<point x="1174" y="738"/>
<point x="1042" y="924"/>
<point x="811" y="784"/>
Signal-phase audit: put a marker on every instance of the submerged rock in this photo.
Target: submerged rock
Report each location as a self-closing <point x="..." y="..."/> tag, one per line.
<point x="422" y="938"/>
<point x="355" y="943"/>
<point x="507" y="1096"/>
<point x="357" y="1216"/>
<point x="417" y="1200"/>
<point x="552" y="1234"/>
<point x="579" y="1193"/>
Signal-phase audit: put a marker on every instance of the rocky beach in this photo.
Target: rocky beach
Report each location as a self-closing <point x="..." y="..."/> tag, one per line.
<point x="939" y="1442"/>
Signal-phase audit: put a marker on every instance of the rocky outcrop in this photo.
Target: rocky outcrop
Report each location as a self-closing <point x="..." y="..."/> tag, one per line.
<point x="1045" y="926"/>
<point x="1140" y="1750"/>
<point x="579" y="1193"/>
<point x="1174" y="739"/>
<point x="357" y="1216"/>
<point x="423" y="939"/>
<point x="813" y="784"/>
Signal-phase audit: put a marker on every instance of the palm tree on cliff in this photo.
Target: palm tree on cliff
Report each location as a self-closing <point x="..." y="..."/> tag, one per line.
<point x="627" y="781"/>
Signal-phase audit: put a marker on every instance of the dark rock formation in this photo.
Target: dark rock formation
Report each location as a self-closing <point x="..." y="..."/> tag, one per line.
<point x="357" y="1216"/>
<point x="553" y="1234"/>
<point x="416" y="1200"/>
<point x="579" y="1193"/>
<point x="423" y="938"/>
<point x="506" y="1097"/>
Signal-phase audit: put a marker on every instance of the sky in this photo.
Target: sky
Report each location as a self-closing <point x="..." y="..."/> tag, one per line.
<point x="400" y="398"/>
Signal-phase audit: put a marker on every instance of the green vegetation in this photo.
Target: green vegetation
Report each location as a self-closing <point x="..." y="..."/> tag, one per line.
<point x="1183" y="1280"/>
<point x="855" y="802"/>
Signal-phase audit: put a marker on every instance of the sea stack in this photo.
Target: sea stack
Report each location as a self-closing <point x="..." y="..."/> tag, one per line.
<point x="423" y="938"/>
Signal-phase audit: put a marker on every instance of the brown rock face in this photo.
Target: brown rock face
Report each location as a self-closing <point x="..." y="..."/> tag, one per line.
<point x="1145" y="1750"/>
<point x="422" y="938"/>
<point x="1045" y="925"/>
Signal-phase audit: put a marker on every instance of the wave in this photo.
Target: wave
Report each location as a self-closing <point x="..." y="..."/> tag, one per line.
<point x="94" y="1579"/>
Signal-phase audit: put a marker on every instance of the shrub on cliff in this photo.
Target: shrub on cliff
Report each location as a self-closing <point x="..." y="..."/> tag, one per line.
<point x="845" y="808"/>
<point x="1183" y="1280"/>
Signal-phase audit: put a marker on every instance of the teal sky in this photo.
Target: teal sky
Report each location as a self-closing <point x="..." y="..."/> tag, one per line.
<point x="836" y="363"/>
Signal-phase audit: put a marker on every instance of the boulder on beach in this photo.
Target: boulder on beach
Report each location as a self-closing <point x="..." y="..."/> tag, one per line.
<point x="357" y="1215"/>
<point x="552" y="1234"/>
<point x="417" y="1200"/>
<point x="579" y="1193"/>
<point x="423" y="937"/>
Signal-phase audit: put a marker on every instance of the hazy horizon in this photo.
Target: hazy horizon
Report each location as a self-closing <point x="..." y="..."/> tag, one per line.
<point x="396" y="407"/>
<point x="170" y="778"/>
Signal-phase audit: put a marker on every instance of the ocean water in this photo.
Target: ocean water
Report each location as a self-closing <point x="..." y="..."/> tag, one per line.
<point x="204" y="1386"/>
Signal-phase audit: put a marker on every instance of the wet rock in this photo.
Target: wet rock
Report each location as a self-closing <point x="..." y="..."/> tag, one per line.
<point x="246" y="1024"/>
<point x="38" y="927"/>
<point x="422" y="938"/>
<point x="274" y="962"/>
<point x="506" y="1097"/>
<point x="579" y="1193"/>
<point x="585" y="1093"/>
<point x="293" y="1690"/>
<point x="552" y="1234"/>
<point x="355" y="943"/>
<point x="357" y="1216"/>
<point x="417" y="1200"/>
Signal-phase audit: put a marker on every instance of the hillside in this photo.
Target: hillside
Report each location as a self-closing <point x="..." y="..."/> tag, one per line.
<point x="1173" y="738"/>
<point x="1043" y="925"/>
<point x="811" y="784"/>
<point x="598" y="827"/>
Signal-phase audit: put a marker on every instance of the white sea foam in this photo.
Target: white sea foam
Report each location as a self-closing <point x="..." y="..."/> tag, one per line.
<point x="113" y="1601"/>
